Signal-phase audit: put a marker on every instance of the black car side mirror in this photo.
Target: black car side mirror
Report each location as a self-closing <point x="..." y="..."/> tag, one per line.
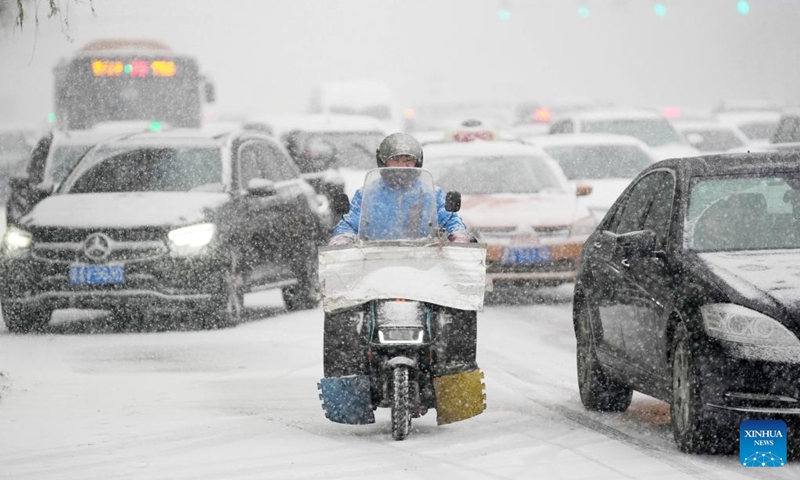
<point x="259" y="187"/>
<point x="641" y="243"/>
<point x="340" y="203"/>
<point x="452" y="202"/>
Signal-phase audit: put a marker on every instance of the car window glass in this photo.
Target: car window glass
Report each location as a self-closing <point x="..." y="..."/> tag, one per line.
<point x="599" y="161"/>
<point x="562" y="127"/>
<point x="250" y="166"/>
<point x="660" y="212"/>
<point x="279" y="166"/>
<point x="744" y="213"/>
<point x="631" y="217"/>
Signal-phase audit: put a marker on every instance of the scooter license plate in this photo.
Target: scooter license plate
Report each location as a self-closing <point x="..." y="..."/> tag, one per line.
<point x="525" y="255"/>
<point x="83" y="274"/>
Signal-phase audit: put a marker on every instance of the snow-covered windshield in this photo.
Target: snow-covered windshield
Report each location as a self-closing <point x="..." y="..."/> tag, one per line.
<point x="151" y="170"/>
<point x="655" y="132"/>
<point x="599" y="161"/>
<point x="495" y="174"/>
<point x="744" y="213"/>
<point x="398" y="204"/>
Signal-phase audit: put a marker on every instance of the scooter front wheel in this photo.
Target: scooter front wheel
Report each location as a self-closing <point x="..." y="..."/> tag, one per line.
<point x="401" y="408"/>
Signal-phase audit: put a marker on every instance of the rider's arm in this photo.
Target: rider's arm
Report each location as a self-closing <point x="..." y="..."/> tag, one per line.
<point x="349" y="221"/>
<point x="450" y="221"/>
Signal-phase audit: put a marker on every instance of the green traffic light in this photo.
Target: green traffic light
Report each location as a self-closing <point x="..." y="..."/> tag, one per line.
<point x="660" y="10"/>
<point x="156" y="126"/>
<point x="583" y="12"/>
<point x="51" y="117"/>
<point x="743" y="6"/>
<point x="504" y="14"/>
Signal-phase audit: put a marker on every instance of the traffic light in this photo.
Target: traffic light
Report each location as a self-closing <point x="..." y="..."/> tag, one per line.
<point x="504" y="14"/>
<point x="660" y="10"/>
<point x="583" y="11"/>
<point x="743" y="7"/>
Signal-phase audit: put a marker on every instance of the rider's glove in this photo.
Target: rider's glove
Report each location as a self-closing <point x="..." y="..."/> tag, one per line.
<point x="343" y="239"/>
<point x="459" y="236"/>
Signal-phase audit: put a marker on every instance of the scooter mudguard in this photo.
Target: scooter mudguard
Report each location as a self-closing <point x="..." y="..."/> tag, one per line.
<point x="459" y="396"/>
<point x="347" y="399"/>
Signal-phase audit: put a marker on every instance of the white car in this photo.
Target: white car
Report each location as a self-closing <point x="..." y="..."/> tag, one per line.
<point x="648" y="126"/>
<point x="757" y="126"/>
<point x="327" y="146"/>
<point x="517" y="200"/>
<point x="711" y="137"/>
<point x="606" y="163"/>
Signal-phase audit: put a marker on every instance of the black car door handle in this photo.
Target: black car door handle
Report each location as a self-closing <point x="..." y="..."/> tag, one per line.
<point x="598" y="245"/>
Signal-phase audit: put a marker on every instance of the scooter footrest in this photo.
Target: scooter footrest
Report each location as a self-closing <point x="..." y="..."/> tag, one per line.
<point x="347" y="399"/>
<point x="459" y="396"/>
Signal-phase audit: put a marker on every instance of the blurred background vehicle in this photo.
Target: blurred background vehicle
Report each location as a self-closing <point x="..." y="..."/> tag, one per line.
<point x="119" y="79"/>
<point x="711" y="137"/>
<point x="359" y="97"/>
<point x="648" y="126"/>
<point x="605" y="163"/>
<point x="333" y="152"/>
<point x="758" y="125"/>
<point x="517" y="200"/>
<point x="788" y="129"/>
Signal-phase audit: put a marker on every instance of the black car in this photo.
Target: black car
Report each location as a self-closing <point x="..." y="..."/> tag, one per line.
<point x="689" y="291"/>
<point x="179" y="222"/>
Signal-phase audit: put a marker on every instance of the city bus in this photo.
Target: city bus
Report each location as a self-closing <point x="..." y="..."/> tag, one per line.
<point x="129" y="80"/>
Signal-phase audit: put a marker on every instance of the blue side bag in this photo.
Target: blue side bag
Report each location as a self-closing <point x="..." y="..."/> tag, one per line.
<point x="347" y="399"/>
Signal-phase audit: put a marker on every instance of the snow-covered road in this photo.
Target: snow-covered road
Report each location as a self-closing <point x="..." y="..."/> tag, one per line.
<point x="242" y="403"/>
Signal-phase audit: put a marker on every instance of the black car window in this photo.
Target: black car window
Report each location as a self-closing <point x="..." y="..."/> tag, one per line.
<point x="788" y="130"/>
<point x="631" y="216"/>
<point x="262" y="160"/>
<point x="154" y="170"/>
<point x="660" y="212"/>
<point x="564" y="126"/>
<point x="280" y="166"/>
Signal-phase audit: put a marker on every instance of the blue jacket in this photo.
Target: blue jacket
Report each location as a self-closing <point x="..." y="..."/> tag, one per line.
<point x="394" y="210"/>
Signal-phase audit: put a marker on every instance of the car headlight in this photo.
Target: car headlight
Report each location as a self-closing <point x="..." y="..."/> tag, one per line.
<point x="584" y="226"/>
<point x="17" y="239"/>
<point x="192" y="237"/>
<point x="738" y="324"/>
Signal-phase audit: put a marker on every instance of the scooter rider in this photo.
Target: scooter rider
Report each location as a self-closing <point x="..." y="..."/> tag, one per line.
<point x="398" y="150"/>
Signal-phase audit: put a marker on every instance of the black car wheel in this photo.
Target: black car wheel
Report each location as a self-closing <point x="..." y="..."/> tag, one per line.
<point x="304" y="295"/>
<point x="598" y="392"/>
<point x="24" y="319"/>
<point x="343" y="345"/>
<point x="692" y="432"/>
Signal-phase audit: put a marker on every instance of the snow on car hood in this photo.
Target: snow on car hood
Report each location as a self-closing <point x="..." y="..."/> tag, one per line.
<point x="504" y="210"/>
<point x="759" y="274"/>
<point x="121" y="210"/>
<point x="604" y="192"/>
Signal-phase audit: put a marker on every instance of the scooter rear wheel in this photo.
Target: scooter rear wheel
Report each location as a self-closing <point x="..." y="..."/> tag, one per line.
<point x="401" y="407"/>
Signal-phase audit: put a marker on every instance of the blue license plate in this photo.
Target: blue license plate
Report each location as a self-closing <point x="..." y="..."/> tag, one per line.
<point x="525" y="256"/>
<point x="96" y="274"/>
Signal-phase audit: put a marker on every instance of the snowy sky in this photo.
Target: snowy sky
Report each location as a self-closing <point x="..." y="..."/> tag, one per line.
<point x="266" y="56"/>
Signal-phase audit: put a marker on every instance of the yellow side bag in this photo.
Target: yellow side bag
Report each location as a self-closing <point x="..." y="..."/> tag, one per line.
<point x="459" y="396"/>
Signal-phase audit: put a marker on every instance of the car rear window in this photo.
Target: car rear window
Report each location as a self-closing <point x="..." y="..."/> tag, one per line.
<point x="496" y="174"/>
<point x="599" y="161"/>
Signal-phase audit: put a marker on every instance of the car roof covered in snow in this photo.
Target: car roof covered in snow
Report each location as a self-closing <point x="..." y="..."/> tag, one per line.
<point x="317" y="122"/>
<point x="734" y="163"/>
<point x="479" y="148"/>
<point x="750" y="116"/>
<point x="568" y="139"/>
<point x="612" y="114"/>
